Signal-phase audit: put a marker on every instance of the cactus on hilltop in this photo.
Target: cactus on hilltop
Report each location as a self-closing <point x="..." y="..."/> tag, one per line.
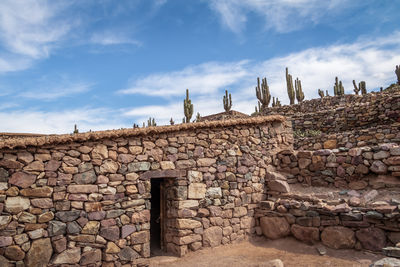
<point x="276" y="102"/>
<point x="171" y="121"/>
<point x="321" y="93"/>
<point x="187" y="107"/>
<point x="397" y="71"/>
<point x="361" y="86"/>
<point x="263" y="94"/>
<point x="151" y="122"/>
<point x="76" y="129"/>
<point x="290" y="88"/>
<point x="135" y="126"/>
<point x="227" y="100"/>
<point x="338" y="88"/>
<point x="299" y="90"/>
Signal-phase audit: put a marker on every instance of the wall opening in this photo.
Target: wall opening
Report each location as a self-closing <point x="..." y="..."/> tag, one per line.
<point x="158" y="215"/>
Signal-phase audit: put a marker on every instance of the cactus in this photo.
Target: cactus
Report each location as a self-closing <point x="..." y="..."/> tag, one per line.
<point x="361" y="86"/>
<point x="187" y="107"/>
<point x="198" y="117"/>
<point x="135" y="125"/>
<point x="144" y="125"/>
<point x="76" y="129"/>
<point x="338" y="88"/>
<point x="183" y="120"/>
<point x="356" y="89"/>
<point x="151" y="122"/>
<point x="381" y="89"/>
<point x="299" y="91"/>
<point x="263" y="94"/>
<point x="171" y="121"/>
<point x="326" y="93"/>
<point x="276" y="103"/>
<point x="321" y="93"/>
<point x="227" y="101"/>
<point x="397" y="71"/>
<point x="290" y="89"/>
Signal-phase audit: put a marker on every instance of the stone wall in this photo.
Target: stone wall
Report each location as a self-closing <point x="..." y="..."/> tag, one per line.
<point x="337" y="224"/>
<point x="345" y="115"/>
<point x="85" y="198"/>
<point x="356" y="138"/>
<point x="355" y="168"/>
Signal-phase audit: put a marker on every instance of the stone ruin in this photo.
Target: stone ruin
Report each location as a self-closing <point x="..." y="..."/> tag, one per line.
<point x="116" y="198"/>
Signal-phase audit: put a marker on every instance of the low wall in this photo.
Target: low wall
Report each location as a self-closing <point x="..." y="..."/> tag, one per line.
<point x="337" y="114"/>
<point x="356" y="168"/>
<point x="372" y="136"/>
<point x="86" y="198"/>
<point x="338" y="224"/>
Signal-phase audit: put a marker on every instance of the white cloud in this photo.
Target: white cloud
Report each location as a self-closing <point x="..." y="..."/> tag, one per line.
<point x="280" y="15"/>
<point x="31" y="28"/>
<point x="371" y="60"/>
<point x="200" y="79"/>
<point x="108" y="38"/>
<point x="59" y="122"/>
<point x="57" y="91"/>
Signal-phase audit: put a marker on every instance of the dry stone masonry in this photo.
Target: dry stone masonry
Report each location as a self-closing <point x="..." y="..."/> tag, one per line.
<point x="85" y="199"/>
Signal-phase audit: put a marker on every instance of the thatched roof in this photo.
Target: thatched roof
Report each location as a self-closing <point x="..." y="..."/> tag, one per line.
<point x="92" y="136"/>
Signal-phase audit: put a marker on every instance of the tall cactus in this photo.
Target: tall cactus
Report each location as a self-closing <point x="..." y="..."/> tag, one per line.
<point x="187" y="107"/>
<point x="151" y="122"/>
<point x="171" y="121"/>
<point x="321" y="93"/>
<point x="397" y="71"/>
<point x="338" y="88"/>
<point x="290" y="88"/>
<point x="299" y="91"/>
<point x="227" y="101"/>
<point x="263" y="93"/>
<point x="361" y="86"/>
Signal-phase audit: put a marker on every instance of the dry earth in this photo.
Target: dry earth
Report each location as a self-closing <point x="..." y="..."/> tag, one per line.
<point x="256" y="252"/>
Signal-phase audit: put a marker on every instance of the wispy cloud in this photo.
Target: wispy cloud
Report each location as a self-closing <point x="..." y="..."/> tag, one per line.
<point x="31" y="28"/>
<point x="48" y="93"/>
<point x="201" y="79"/>
<point x="371" y="60"/>
<point x="280" y="15"/>
<point x="108" y="38"/>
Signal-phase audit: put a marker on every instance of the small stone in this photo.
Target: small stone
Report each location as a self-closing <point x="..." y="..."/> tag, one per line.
<point x="90" y="257"/>
<point x="40" y="253"/>
<point x="212" y="236"/>
<point x="5" y="241"/>
<point x="15" y="205"/>
<point x="110" y="233"/>
<point x="57" y="228"/>
<point x="92" y="228"/>
<point x="112" y="248"/>
<point x="73" y="228"/>
<point x="128" y="254"/>
<point x="88" y="177"/>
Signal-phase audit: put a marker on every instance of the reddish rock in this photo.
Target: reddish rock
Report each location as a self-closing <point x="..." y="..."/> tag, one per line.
<point x="372" y="238"/>
<point x="52" y="165"/>
<point x="5" y="241"/>
<point x="43" y="203"/>
<point x="37" y="192"/>
<point x="338" y="237"/>
<point x="378" y="167"/>
<point x="110" y="233"/>
<point x="22" y="179"/>
<point x="358" y="185"/>
<point x="127" y="230"/>
<point x="274" y="227"/>
<point x="11" y="164"/>
<point x="90" y="257"/>
<point x="140" y="237"/>
<point x="279" y="186"/>
<point x="14" y="253"/>
<point x="60" y="245"/>
<point x="308" y="235"/>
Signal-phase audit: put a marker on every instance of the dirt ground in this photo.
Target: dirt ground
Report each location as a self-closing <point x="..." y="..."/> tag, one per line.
<point x="257" y="251"/>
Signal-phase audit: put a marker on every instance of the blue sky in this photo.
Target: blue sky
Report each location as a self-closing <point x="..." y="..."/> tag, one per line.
<point x="108" y="64"/>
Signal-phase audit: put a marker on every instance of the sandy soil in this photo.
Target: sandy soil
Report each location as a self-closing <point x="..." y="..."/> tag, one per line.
<point x="255" y="252"/>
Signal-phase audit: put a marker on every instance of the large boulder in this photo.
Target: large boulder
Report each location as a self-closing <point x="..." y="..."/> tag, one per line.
<point x="274" y="227"/>
<point x="308" y="235"/>
<point x="372" y="238"/>
<point x="279" y="186"/>
<point x="212" y="236"/>
<point x="338" y="237"/>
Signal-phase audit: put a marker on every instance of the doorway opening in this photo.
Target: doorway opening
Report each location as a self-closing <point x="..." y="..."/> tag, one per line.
<point x="157" y="213"/>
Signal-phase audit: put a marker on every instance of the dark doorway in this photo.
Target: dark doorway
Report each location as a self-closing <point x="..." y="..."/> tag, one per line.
<point x="157" y="217"/>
